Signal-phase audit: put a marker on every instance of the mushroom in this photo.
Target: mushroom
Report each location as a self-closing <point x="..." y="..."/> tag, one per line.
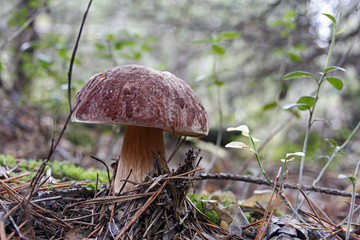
<point x="147" y="102"/>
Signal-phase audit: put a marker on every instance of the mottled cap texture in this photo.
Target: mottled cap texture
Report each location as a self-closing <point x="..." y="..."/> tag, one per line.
<point x="141" y="96"/>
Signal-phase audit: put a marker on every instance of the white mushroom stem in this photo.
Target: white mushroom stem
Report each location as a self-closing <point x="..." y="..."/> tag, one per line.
<point x="137" y="154"/>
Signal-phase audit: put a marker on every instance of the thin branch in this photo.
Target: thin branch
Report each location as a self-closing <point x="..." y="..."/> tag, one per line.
<point x="53" y="146"/>
<point x="262" y="181"/>
<point x="107" y="168"/>
<point x="74" y="54"/>
<point x="334" y="154"/>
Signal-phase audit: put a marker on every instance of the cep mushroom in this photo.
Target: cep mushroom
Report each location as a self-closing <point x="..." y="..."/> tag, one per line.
<point x="147" y="102"/>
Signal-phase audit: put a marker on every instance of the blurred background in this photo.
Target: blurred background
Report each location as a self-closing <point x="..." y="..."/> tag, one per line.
<point x="234" y="55"/>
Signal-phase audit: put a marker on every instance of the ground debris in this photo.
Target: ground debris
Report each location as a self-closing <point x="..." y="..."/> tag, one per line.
<point x="286" y="227"/>
<point x="157" y="209"/>
<point x="170" y="215"/>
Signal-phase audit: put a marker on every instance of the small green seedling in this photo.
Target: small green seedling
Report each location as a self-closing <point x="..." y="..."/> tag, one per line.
<point x="289" y="158"/>
<point x="246" y="132"/>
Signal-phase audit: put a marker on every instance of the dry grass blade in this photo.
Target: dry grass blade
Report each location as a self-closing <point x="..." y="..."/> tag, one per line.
<point x="106" y="200"/>
<point x="11" y="192"/>
<point x="10" y="236"/>
<point x="318" y="219"/>
<point x="2" y="226"/>
<point x="267" y="218"/>
<point x="16" y="177"/>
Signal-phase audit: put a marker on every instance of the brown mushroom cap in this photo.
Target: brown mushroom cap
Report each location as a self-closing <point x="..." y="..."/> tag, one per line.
<point x="141" y="96"/>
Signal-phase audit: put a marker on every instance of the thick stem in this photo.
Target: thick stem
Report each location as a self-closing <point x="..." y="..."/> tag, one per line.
<point x="137" y="154"/>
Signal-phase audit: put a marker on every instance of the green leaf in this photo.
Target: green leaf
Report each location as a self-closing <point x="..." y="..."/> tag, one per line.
<point x="202" y="41"/>
<point x="300" y="154"/>
<point x="330" y="17"/>
<point x="300" y="47"/>
<point x="293" y="105"/>
<point x="110" y="37"/>
<point x="335" y="82"/>
<point x="44" y="60"/>
<point x="284" y="33"/>
<point x="1" y="66"/>
<point x="340" y="31"/>
<point x="332" y="142"/>
<point x="269" y="106"/>
<point x="350" y="177"/>
<point x="229" y="35"/>
<point x="34" y="4"/>
<point x="217" y="49"/>
<point x="333" y="68"/>
<point x="146" y="48"/>
<point x="219" y="83"/>
<point x="241" y="128"/>
<point x="306" y="101"/>
<point x="279" y="52"/>
<point x="294" y="57"/>
<point x="275" y="23"/>
<point x="290" y="25"/>
<point x="122" y="43"/>
<point x="322" y="120"/>
<point x="290" y="14"/>
<point x="298" y="74"/>
<point x="240" y="145"/>
<point x="100" y="46"/>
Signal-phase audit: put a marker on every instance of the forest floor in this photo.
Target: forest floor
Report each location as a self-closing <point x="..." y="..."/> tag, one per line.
<point x="170" y="204"/>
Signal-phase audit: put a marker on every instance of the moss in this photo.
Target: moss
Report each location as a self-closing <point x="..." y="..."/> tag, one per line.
<point x="196" y="199"/>
<point x="59" y="169"/>
<point x="228" y="201"/>
<point x="72" y="171"/>
<point x="7" y="160"/>
<point x="32" y="164"/>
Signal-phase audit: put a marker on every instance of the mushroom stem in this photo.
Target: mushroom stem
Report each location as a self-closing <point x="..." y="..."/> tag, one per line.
<point x="137" y="154"/>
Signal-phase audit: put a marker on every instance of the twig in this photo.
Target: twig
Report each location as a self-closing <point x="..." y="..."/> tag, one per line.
<point x="107" y="168"/>
<point x="104" y="200"/>
<point x="10" y="236"/>
<point x="74" y="54"/>
<point x="261" y="181"/>
<point x="53" y="146"/>
<point x="317" y="217"/>
<point x="266" y="219"/>
<point x="179" y="143"/>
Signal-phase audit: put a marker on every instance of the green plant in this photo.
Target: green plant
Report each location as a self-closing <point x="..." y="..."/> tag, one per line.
<point x="309" y="102"/>
<point x="286" y="25"/>
<point x="217" y="45"/>
<point x="352" y="179"/>
<point x="124" y="45"/>
<point x="7" y="160"/>
<point x="246" y="132"/>
<point x="289" y="158"/>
